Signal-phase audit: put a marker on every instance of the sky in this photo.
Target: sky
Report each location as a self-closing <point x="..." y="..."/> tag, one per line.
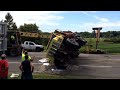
<point x="76" y="21"/>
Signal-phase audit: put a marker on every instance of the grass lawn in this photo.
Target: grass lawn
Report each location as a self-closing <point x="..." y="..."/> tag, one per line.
<point x="51" y="76"/>
<point x="45" y="76"/>
<point x="107" y="47"/>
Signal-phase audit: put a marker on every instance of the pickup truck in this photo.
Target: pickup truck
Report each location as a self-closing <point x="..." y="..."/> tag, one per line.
<point x="29" y="45"/>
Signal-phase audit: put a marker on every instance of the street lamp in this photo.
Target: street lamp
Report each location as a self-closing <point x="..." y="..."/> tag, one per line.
<point x="97" y="29"/>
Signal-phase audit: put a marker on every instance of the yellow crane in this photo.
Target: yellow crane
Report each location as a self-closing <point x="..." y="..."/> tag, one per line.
<point x="34" y="34"/>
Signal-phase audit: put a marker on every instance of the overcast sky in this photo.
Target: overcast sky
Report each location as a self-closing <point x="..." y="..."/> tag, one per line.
<point x="79" y="21"/>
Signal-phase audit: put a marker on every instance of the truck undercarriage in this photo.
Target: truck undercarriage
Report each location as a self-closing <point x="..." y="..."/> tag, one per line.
<point x="63" y="46"/>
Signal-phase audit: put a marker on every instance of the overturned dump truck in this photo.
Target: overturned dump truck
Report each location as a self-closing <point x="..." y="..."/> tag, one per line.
<point x="62" y="47"/>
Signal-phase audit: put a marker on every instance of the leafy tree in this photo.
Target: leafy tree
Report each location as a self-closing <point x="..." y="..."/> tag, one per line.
<point x="2" y="20"/>
<point x="29" y="28"/>
<point x="85" y="34"/>
<point x="93" y="34"/>
<point x="9" y="20"/>
<point x="14" y="27"/>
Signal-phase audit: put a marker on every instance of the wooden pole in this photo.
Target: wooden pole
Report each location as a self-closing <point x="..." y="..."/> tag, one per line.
<point x="97" y="37"/>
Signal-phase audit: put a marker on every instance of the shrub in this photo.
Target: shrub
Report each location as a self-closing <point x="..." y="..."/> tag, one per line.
<point x="114" y="40"/>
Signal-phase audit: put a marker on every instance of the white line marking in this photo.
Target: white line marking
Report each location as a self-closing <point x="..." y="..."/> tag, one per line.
<point x="80" y="65"/>
<point x="95" y="66"/>
<point x="13" y="62"/>
<point x="20" y="62"/>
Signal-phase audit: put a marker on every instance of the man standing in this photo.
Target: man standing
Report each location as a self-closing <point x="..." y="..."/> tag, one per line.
<point x="27" y="68"/>
<point x="25" y="53"/>
<point x="3" y="67"/>
<point x="12" y="39"/>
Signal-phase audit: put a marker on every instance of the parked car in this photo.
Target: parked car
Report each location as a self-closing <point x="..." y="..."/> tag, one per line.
<point x="29" y="45"/>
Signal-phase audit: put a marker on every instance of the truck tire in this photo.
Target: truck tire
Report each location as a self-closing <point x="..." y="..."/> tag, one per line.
<point x="60" y="60"/>
<point x="75" y="54"/>
<point x="13" y="52"/>
<point x="72" y="43"/>
<point x="59" y="64"/>
<point x="38" y="49"/>
<point x="42" y="49"/>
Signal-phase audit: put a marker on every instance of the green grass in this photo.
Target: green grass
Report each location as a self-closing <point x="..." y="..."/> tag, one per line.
<point x="49" y="76"/>
<point x="107" y="47"/>
<point x="44" y="76"/>
<point x="110" y="48"/>
<point x="53" y="76"/>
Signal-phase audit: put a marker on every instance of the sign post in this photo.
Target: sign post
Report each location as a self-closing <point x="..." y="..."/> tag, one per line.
<point x="97" y="35"/>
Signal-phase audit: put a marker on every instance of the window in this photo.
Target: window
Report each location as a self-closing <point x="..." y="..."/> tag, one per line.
<point x="31" y="43"/>
<point x="26" y="43"/>
<point x="0" y="27"/>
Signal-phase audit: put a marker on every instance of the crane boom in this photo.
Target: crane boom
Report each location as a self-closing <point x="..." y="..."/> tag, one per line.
<point x="35" y="35"/>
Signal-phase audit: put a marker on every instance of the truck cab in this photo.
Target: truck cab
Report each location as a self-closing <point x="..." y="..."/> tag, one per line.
<point x="31" y="46"/>
<point x="14" y="49"/>
<point x="6" y="44"/>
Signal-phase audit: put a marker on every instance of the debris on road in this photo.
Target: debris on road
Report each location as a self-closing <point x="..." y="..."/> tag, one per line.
<point x="46" y="64"/>
<point x="57" y="71"/>
<point x="43" y="60"/>
<point x="14" y="75"/>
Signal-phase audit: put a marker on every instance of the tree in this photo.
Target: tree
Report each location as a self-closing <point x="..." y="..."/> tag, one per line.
<point x="9" y="20"/>
<point x="14" y="27"/>
<point x="85" y="34"/>
<point x="2" y="20"/>
<point x="29" y="28"/>
<point x="93" y="34"/>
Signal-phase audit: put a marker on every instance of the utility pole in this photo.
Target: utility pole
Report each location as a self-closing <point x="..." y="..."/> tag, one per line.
<point x="97" y="35"/>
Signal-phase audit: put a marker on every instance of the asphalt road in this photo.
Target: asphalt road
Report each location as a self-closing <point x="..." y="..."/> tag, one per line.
<point x="14" y="62"/>
<point x="89" y="65"/>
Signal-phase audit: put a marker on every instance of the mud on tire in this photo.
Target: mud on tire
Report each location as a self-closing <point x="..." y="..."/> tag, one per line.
<point x="13" y="52"/>
<point x="38" y="49"/>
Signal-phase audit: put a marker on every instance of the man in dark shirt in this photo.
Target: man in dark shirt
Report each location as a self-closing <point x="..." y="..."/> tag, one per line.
<point x="27" y="68"/>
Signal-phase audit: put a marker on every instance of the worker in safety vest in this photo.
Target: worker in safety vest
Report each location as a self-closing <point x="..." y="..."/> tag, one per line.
<point x="12" y="39"/>
<point x="25" y="53"/>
